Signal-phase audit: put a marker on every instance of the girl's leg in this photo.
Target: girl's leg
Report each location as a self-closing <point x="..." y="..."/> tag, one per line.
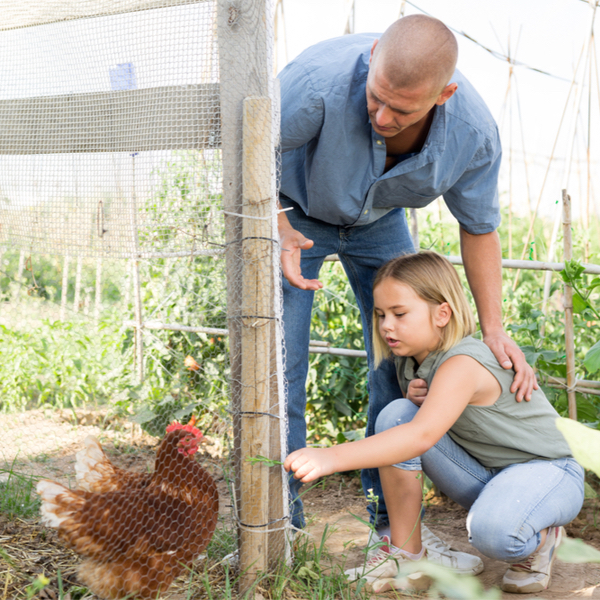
<point x="404" y="511"/>
<point x="452" y="469"/>
<point x="507" y="520"/>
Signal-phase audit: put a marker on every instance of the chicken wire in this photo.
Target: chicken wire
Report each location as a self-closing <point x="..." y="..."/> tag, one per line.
<point x="139" y="288"/>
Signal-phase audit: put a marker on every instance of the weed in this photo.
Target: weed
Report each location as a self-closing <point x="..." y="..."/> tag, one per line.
<point x="17" y="495"/>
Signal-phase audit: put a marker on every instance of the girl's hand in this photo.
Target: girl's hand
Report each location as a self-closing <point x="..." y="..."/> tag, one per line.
<point x="309" y="464"/>
<point x="417" y="391"/>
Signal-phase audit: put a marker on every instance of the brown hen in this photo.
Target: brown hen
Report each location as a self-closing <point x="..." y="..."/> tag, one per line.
<point x="138" y="538"/>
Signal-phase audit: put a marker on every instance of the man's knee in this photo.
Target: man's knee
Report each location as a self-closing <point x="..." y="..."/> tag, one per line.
<point x="395" y="413"/>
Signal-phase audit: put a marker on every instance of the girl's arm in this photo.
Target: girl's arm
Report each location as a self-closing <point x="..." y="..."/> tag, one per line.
<point x="456" y="382"/>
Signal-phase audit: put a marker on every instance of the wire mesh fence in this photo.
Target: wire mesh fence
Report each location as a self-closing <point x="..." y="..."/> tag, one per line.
<point x="139" y="313"/>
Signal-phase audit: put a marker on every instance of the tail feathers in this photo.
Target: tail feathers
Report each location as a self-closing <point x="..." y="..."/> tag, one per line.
<point x="92" y="466"/>
<point x="58" y="502"/>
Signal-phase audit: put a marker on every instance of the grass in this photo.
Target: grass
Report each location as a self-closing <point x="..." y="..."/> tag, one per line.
<point x="17" y="495"/>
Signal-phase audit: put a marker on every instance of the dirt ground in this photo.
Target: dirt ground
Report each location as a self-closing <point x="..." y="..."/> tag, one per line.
<point x="44" y="444"/>
<point x="334" y="503"/>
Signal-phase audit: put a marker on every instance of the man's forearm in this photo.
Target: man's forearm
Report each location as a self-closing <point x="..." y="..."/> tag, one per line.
<point x="482" y="259"/>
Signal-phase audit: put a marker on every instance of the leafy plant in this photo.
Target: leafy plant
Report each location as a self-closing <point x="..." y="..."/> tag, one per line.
<point x="585" y="446"/>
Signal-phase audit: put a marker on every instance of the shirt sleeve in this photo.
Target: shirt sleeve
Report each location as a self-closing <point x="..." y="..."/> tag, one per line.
<point x="301" y="108"/>
<point x="473" y="199"/>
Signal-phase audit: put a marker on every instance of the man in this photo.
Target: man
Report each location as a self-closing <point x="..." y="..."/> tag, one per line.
<point x="368" y="128"/>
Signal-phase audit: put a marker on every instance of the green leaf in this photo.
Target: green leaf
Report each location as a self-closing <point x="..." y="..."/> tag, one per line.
<point x="583" y="441"/>
<point x="592" y="358"/>
<point x="589" y="491"/>
<point x="579" y="303"/>
<point x="587" y="410"/>
<point x="143" y="416"/>
<point x="352" y="435"/>
<point x="451" y="584"/>
<point x="577" y="551"/>
<point x="268" y="462"/>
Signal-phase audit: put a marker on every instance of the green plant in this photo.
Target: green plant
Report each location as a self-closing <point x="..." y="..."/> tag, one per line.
<point x="17" y="494"/>
<point x="585" y="446"/>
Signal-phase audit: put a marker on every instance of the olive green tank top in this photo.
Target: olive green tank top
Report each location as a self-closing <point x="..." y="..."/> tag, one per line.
<point x="504" y="433"/>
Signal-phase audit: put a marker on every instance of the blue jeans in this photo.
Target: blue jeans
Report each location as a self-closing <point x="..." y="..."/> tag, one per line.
<point x="362" y="250"/>
<point x="508" y="507"/>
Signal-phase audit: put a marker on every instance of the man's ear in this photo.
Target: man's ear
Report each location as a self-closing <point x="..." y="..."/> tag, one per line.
<point x="372" y="50"/>
<point x="446" y="94"/>
<point x="442" y="315"/>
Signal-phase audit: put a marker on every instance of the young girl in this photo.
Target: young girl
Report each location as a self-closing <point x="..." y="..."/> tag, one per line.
<point x="504" y="461"/>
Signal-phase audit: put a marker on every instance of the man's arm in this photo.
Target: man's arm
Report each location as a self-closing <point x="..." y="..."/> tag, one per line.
<point x="482" y="260"/>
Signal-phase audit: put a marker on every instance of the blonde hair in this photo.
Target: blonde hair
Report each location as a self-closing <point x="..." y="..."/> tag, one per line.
<point x="434" y="280"/>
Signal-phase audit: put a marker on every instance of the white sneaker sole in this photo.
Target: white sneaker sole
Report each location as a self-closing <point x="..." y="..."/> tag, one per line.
<point x="415" y="582"/>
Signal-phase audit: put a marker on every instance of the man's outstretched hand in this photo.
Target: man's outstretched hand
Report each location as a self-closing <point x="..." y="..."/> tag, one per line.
<point x="292" y="244"/>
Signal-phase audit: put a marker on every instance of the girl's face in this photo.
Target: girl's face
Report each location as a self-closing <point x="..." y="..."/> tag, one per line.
<point x="409" y="325"/>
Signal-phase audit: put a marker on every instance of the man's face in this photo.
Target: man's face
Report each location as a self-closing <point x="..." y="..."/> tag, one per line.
<point x="391" y="111"/>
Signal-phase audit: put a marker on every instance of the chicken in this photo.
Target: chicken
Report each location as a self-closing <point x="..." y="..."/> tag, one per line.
<point x="140" y="532"/>
<point x="95" y="473"/>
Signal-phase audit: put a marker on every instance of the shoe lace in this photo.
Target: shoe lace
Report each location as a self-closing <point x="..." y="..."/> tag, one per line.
<point x="526" y="565"/>
<point x="434" y="542"/>
<point x="379" y="558"/>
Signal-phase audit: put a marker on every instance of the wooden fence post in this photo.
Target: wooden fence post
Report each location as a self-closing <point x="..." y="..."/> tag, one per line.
<point x="568" y="303"/>
<point x="257" y="252"/>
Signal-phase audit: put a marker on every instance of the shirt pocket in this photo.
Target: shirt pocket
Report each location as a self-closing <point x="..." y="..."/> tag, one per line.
<point x="392" y="195"/>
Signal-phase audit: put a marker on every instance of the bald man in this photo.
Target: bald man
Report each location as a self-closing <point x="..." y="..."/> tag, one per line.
<point x="370" y="127"/>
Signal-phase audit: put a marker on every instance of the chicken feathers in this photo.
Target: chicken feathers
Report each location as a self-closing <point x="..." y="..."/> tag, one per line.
<point x="137" y="538"/>
<point x="95" y="473"/>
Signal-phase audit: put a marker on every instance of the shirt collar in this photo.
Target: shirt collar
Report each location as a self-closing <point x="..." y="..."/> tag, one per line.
<point x="423" y="371"/>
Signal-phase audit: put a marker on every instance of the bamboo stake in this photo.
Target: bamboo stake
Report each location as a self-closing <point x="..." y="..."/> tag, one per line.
<point x="137" y="290"/>
<point x="568" y="302"/>
<point x="255" y="339"/>
<point x="20" y="269"/>
<point x="98" y="305"/>
<point x="65" y="288"/>
<point x="77" y="298"/>
<point x="414" y="228"/>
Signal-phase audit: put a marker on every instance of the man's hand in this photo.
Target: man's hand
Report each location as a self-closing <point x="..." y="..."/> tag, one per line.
<point x="292" y="244"/>
<point x="509" y="356"/>
<point x="417" y="391"/>
<point x="309" y="464"/>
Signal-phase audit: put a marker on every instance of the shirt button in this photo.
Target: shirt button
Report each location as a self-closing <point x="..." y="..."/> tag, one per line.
<point x="379" y="142"/>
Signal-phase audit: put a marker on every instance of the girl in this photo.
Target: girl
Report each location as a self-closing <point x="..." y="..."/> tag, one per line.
<point x="502" y="460"/>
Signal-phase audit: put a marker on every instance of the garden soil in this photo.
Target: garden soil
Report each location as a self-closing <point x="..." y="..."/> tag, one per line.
<point x="336" y="506"/>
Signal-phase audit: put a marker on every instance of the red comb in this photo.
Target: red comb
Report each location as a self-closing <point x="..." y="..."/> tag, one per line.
<point x="189" y="427"/>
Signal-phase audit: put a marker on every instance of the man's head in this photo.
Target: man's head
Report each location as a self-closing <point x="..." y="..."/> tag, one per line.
<point x="409" y="72"/>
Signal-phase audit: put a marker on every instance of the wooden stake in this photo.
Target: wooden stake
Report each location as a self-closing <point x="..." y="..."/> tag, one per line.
<point x="414" y="228"/>
<point x="98" y="306"/>
<point x="65" y="289"/>
<point x="257" y="314"/>
<point x="137" y="288"/>
<point x="77" y="299"/>
<point x="20" y="269"/>
<point x="568" y="302"/>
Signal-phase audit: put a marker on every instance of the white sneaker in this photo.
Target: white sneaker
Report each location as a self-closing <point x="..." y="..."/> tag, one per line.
<point x="533" y="574"/>
<point x="438" y="552"/>
<point x="381" y="572"/>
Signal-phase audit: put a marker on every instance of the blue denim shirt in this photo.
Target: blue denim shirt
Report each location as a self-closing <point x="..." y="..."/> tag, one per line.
<point x="333" y="161"/>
